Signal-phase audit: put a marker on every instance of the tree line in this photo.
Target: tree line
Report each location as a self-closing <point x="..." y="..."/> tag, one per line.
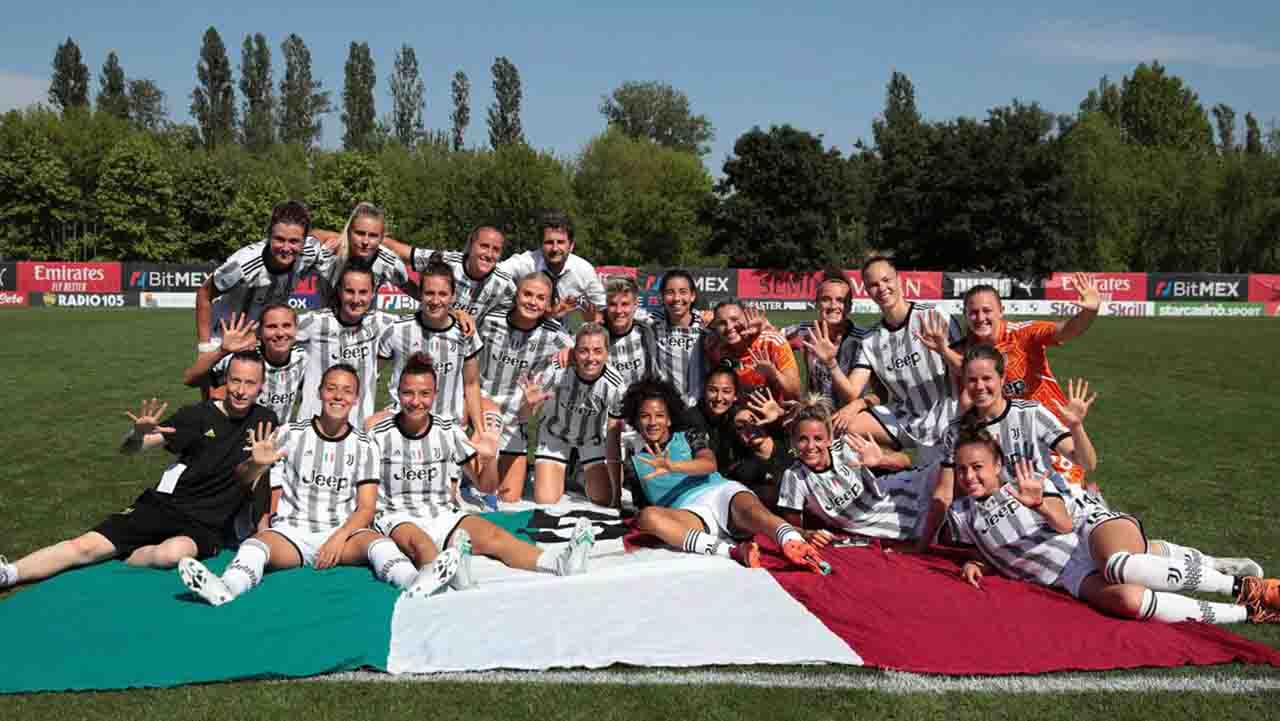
<point x="1139" y="178"/>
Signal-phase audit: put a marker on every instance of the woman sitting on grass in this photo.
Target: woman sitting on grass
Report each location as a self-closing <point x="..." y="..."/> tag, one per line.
<point x="1028" y="530"/>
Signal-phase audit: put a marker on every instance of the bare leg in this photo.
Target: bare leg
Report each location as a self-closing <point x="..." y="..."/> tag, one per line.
<point x="164" y="555"/>
<point x="488" y="539"/>
<point x="283" y="555"/>
<point x="83" y="550"/>
<point x="415" y="543"/>
<point x="512" y="470"/>
<point x="355" y="552"/>
<point x="548" y="481"/>
<point x="601" y="489"/>
<point x="668" y="524"/>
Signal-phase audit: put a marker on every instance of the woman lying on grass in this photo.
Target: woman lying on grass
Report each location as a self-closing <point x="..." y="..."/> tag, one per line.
<point x="1028" y="530"/>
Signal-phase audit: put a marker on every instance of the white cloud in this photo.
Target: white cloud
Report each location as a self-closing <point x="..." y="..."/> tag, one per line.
<point x="18" y="90"/>
<point x="1118" y="43"/>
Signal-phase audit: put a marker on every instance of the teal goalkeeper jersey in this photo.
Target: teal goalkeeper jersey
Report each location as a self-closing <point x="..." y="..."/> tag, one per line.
<point x="673" y="490"/>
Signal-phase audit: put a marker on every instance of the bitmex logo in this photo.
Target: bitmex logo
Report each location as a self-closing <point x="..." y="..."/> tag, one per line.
<point x="161" y="279"/>
<point x="1198" y="289"/>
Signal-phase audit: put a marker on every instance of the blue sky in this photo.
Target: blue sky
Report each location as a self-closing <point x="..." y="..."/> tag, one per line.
<point x="820" y="66"/>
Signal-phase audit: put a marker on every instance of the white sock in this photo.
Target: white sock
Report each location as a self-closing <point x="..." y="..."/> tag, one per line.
<point x="390" y="564"/>
<point x="705" y="544"/>
<point x="787" y="532"/>
<point x="8" y="574"/>
<point x="1166" y="574"/>
<point x="1189" y="555"/>
<point x="548" y="562"/>
<point x="1173" y="608"/>
<point x="245" y="570"/>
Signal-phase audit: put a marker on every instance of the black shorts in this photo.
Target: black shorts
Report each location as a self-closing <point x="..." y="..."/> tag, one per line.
<point x="146" y="524"/>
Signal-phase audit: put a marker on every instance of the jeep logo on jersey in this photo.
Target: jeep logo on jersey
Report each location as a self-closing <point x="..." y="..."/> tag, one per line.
<point x="321" y="480"/>
<point x="904" y="361"/>
<point x="356" y="353"/>
<point x="421" y="475"/>
<point x="955" y="285"/>
<point x="1198" y="286"/>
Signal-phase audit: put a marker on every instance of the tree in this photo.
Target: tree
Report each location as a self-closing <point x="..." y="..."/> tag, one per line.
<point x="461" y="115"/>
<point x="897" y="162"/>
<point x="783" y="201"/>
<point x="1252" y="135"/>
<point x="113" y="96"/>
<point x="256" y="195"/>
<point x="660" y="113"/>
<point x="1105" y="100"/>
<point x="302" y="102"/>
<point x="203" y="194"/>
<point x="136" y="200"/>
<point x="358" y="114"/>
<point x="146" y="104"/>
<point x="39" y="195"/>
<point x="504" y="112"/>
<point x="1225" y="116"/>
<point x="407" y="97"/>
<point x="213" y="101"/>
<point x="345" y="179"/>
<point x="1157" y="110"/>
<point x="69" y="87"/>
<point x="259" y="93"/>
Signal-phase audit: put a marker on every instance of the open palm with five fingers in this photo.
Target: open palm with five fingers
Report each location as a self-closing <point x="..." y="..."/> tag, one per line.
<point x="1078" y="402"/>
<point x="1029" y="485"/>
<point x="148" y="419"/>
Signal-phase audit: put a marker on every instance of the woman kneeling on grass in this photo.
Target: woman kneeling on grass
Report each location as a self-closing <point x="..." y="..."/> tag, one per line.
<point x="1027" y="530"/>
<point x="692" y="506"/>
<point x="324" y="492"/>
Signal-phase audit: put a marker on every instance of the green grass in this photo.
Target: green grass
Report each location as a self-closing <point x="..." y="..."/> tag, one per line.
<point x="1185" y="426"/>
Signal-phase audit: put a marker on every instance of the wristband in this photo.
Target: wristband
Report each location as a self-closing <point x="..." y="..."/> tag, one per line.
<point x="208" y="346"/>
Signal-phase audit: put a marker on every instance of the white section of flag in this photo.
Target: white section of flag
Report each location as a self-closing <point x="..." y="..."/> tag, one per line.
<point x="648" y="608"/>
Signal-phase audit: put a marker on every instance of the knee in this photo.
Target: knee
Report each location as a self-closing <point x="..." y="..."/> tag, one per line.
<point x="89" y="548"/>
<point x="1132" y="601"/>
<point x="647" y="519"/>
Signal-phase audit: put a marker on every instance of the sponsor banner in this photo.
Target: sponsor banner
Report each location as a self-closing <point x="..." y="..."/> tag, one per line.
<point x="1210" y="310"/>
<point x="56" y="277"/>
<point x="12" y="299"/>
<point x="127" y="299"/>
<point x="955" y="285"/>
<point x="165" y="278"/>
<point x="1272" y="308"/>
<point x="397" y="303"/>
<point x="1264" y="288"/>
<point x="147" y="299"/>
<point x="9" y="277"/>
<point x="305" y="301"/>
<point x="604" y="271"/>
<point x="781" y="285"/>
<point x="713" y="285"/>
<point x="1197" y="286"/>
<point x="1111" y="286"/>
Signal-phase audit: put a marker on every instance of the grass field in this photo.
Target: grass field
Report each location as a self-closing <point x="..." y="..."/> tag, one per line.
<point x="1185" y="426"/>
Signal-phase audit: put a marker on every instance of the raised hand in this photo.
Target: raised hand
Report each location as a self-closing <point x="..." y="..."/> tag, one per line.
<point x="565" y="357"/>
<point x="763" y="405"/>
<point x="1078" y="402"/>
<point x="870" y="454"/>
<point x="843" y="419"/>
<point x="1090" y="299"/>
<point x="591" y="314"/>
<point x="763" y="362"/>
<point x="757" y="322"/>
<point x="262" y="447"/>
<point x="240" y="335"/>
<point x="535" y="394"/>
<point x="1029" y="487"/>
<point x="660" y="462"/>
<point x="566" y="304"/>
<point x="148" y="419"/>
<point x="822" y="348"/>
<point x="933" y="332"/>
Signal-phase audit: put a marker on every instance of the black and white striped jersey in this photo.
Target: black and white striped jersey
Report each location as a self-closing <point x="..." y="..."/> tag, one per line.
<point x="916" y="377"/>
<point x="680" y="358"/>
<point x="849" y="497"/>
<point x="417" y="472"/>
<point x="1016" y="540"/>
<point x="282" y="384"/>
<point x="632" y="354"/>
<point x="385" y="266"/>
<point x="318" y="477"/>
<point x="448" y="347"/>
<point x="246" y="283"/>
<point x="510" y="352"/>
<point x="820" y="380"/>
<point x="329" y="342"/>
<point x="578" y="410"/>
<point x="476" y="296"/>
<point x="1026" y="430"/>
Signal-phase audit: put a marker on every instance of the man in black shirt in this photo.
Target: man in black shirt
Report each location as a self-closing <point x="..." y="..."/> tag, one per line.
<point x="223" y="449"/>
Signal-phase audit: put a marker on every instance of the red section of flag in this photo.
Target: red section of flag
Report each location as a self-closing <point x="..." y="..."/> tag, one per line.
<point x="914" y="613"/>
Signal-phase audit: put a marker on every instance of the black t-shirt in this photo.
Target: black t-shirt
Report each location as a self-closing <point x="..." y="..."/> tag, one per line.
<point x="210" y="444"/>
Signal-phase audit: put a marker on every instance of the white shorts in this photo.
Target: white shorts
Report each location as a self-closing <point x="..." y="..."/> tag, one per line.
<point x="307" y="542"/>
<point x="1082" y="565"/>
<point x="552" y="448"/>
<point x="712" y="507"/>
<point x="438" y="529"/>
<point x="923" y="432"/>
